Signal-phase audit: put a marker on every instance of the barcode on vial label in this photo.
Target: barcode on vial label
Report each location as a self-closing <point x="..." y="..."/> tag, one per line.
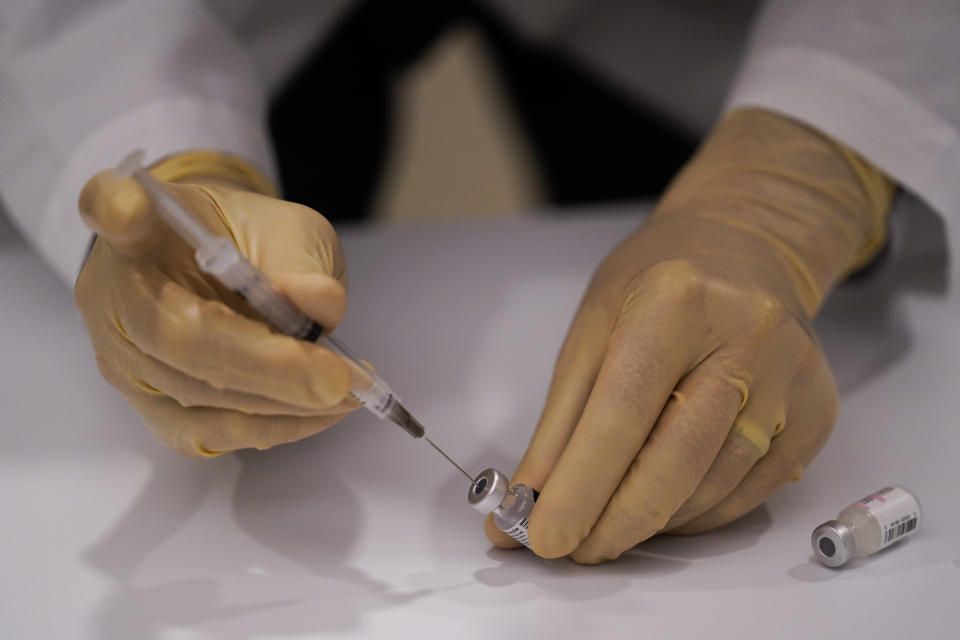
<point x="897" y="530"/>
<point x="519" y="533"/>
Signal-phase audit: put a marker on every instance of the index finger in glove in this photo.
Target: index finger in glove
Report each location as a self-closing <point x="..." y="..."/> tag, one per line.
<point x="644" y="360"/>
<point x="204" y="432"/>
<point x="209" y="341"/>
<point x="574" y="375"/>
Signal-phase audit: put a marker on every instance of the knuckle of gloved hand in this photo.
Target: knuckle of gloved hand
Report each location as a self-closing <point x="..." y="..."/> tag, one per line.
<point x="176" y="329"/>
<point x="147" y="307"/>
<point x="322" y="227"/>
<point x="676" y="280"/>
<point x="313" y="227"/>
<point x="767" y="310"/>
<point x="189" y="326"/>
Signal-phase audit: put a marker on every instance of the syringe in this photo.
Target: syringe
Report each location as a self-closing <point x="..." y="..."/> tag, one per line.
<point x="219" y="257"/>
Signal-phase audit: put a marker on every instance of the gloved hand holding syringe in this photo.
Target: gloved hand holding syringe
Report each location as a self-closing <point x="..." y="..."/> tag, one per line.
<point x="219" y="257"/>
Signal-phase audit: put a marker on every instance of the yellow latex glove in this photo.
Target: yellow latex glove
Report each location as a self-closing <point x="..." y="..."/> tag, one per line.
<point x="204" y="374"/>
<point x="691" y="386"/>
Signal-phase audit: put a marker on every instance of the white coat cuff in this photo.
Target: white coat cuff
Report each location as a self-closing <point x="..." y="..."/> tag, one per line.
<point x="159" y="128"/>
<point x="915" y="146"/>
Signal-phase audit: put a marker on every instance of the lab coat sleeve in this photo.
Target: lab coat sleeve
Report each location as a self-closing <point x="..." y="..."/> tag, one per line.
<point x="882" y="76"/>
<point x="86" y="81"/>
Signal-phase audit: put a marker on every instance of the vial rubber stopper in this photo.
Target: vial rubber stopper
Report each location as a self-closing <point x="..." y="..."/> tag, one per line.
<point x="833" y="543"/>
<point x="488" y="490"/>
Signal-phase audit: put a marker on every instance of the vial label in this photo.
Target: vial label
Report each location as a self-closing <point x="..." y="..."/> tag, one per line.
<point x="896" y="511"/>
<point x="519" y="533"/>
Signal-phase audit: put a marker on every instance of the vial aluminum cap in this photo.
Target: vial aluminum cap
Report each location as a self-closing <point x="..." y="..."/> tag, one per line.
<point x="833" y="543"/>
<point x="488" y="490"/>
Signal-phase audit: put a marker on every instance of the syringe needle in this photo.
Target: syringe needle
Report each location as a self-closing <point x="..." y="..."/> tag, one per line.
<point x="433" y="444"/>
<point x="411" y="425"/>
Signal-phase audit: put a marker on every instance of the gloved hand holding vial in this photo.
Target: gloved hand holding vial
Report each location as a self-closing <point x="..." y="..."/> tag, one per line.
<point x="691" y="385"/>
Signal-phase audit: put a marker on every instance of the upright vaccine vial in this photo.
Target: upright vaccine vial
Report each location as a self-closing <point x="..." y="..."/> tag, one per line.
<point x="511" y="506"/>
<point x="867" y="526"/>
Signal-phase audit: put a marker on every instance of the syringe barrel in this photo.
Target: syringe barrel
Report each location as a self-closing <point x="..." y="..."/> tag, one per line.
<point x="221" y="259"/>
<point x="370" y="390"/>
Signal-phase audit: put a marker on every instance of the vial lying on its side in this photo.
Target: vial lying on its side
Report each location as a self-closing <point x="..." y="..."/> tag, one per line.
<point x="511" y="506"/>
<point x="867" y="526"/>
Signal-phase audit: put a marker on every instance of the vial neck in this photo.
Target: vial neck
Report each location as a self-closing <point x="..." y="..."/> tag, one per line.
<point x="508" y="501"/>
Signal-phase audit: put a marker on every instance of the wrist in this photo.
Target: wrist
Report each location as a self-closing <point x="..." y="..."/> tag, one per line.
<point x="811" y="204"/>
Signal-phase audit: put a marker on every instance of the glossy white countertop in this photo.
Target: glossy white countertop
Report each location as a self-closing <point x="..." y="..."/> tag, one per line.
<point x="363" y="532"/>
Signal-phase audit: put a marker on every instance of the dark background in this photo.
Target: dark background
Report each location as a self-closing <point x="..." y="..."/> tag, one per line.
<point x="331" y="122"/>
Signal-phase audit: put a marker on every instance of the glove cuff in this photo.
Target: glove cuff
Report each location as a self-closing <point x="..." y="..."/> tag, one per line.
<point x="878" y="190"/>
<point x="186" y="166"/>
<point x="817" y="207"/>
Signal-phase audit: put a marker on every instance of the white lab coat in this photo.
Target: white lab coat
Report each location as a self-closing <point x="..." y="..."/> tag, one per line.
<point x="84" y="81"/>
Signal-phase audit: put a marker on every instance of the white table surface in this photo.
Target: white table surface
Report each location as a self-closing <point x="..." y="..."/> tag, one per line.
<point x="364" y="532"/>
